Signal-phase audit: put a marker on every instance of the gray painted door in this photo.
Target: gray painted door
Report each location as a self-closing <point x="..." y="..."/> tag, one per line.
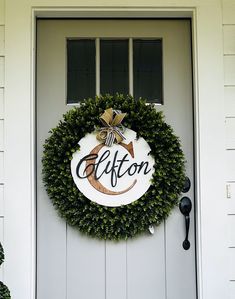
<point x="70" y="265"/>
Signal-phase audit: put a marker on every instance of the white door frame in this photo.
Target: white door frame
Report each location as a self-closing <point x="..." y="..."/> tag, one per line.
<point x="20" y="215"/>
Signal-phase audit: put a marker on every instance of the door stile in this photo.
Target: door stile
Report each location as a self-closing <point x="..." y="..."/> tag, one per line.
<point x="131" y="84"/>
<point x="97" y="63"/>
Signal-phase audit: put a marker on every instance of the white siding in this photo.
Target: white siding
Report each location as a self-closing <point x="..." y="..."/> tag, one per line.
<point x="1" y="71"/>
<point x="2" y="12"/>
<point x="230" y="173"/>
<point x="231" y="289"/>
<point x="228" y="12"/>
<point x="231" y="241"/>
<point x="229" y="95"/>
<point x="229" y="70"/>
<point x="231" y="198"/>
<point x="2" y="47"/>
<point x="232" y="263"/>
<point x="230" y="133"/>
<point x="229" y="39"/>
<point x="1" y="135"/>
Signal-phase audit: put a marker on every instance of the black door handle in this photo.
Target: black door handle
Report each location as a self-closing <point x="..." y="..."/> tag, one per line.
<point x="185" y="208"/>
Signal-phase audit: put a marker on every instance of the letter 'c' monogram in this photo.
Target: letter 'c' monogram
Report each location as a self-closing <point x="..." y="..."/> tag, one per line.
<point x="90" y="175"/>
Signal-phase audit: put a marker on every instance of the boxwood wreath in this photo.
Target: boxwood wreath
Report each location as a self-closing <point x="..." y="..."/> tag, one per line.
<point x="114" y="223"/>
<point x="1" y="254"/>
<point x="4" y="291"/>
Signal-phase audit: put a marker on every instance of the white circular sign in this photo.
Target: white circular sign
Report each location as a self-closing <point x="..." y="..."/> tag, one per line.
<point x="116" y="175"/>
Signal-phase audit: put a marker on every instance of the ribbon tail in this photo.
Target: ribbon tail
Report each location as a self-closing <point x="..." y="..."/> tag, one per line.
<point x="110" y="139"/>
<point x="119" y="135"/>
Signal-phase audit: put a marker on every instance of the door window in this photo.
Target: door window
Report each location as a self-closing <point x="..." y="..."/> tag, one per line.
<point x="127" y="66"/>
<point x="80" y="70"/>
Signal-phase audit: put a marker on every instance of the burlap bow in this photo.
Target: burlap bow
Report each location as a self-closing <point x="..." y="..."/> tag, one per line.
<point x="113" y="129"/>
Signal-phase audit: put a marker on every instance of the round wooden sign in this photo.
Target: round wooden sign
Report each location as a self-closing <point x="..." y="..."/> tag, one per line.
<point x="113" y="175"/>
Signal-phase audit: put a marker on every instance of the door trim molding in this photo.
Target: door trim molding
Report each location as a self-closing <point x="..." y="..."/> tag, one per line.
<point x="20" y="183"/>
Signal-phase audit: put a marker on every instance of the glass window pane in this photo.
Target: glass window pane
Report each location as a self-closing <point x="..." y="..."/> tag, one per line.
<point x="80" y="70"/>
<point x="147" y="68"/>
<point x="114" y="75"/>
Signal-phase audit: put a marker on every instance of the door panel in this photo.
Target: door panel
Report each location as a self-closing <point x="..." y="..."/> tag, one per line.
<point x="116" y="270"/>
<point x="146" y="266"/>
<point x="71" y="265"/>
<point x="85" y="266"/>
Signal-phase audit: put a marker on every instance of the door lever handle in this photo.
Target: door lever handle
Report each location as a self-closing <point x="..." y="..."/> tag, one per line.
<point x="185" y="207"/>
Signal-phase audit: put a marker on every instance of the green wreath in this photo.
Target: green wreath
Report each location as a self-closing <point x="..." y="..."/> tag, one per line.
<point x="128" y="220"/>
<point x="1" y="254"/>
<point x="4" y="291"/>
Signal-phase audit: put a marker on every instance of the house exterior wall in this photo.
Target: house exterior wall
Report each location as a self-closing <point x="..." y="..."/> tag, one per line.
<point x="229" y="99"/>
<point x="228" y="27"/>
<point x="2" y="61"/>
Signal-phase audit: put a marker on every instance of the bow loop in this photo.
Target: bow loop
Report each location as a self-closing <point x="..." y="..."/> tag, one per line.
<point x="107" y="117"/>
<point x="118" y="119"/>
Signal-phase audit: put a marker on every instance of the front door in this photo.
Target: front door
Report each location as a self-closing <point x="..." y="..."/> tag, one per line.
<point x="154" y="266"/>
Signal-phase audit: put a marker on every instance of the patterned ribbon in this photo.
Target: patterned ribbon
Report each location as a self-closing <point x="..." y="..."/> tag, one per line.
<point x="113" y="129"/>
